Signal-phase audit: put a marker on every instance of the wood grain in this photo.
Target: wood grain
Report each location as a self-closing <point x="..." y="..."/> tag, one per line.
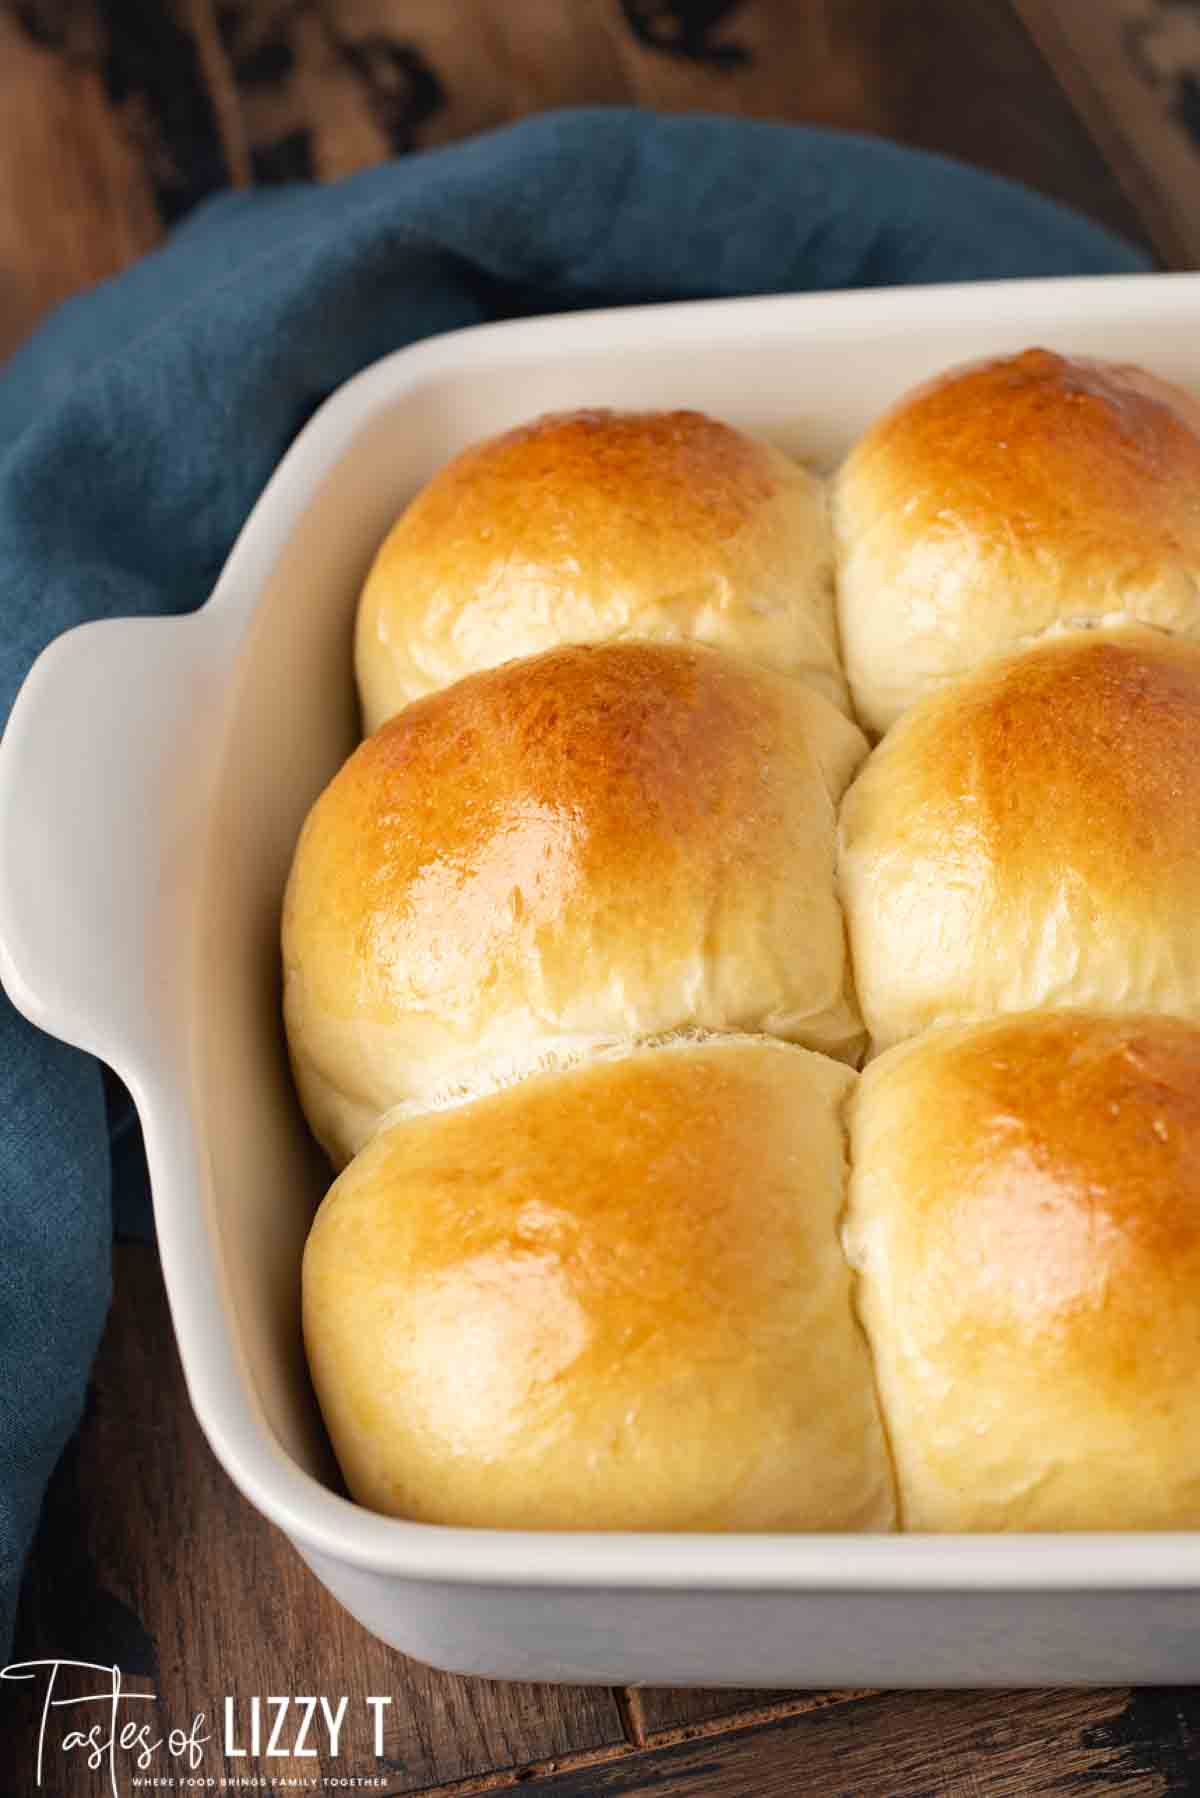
<point x="967" y="80"/>
<point x="116" y="116"/>
<point x="148" y="1558"/>
<point x="76" y="202"/>
<point x="672" y="1713"/>
<point x="1132" y="70"/>
<point x="919" y="1745"/>
<point x="899" y="70"/>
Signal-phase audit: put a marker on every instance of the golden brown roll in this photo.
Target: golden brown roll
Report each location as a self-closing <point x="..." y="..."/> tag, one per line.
<point x="587" y="526"/>
<point x="1009" y="499"/>
<point x="599" y="843"/>
<point x="1031" y="836"/>
<point x="610" y="1298"/>
<point x="1025" y="1221"/>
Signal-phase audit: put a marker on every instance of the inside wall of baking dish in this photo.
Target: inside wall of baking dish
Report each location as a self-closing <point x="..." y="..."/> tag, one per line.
<point x="809" y="373"/>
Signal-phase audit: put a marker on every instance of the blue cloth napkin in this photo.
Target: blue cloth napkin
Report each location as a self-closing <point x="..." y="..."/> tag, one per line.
<point x="138" y="427"/>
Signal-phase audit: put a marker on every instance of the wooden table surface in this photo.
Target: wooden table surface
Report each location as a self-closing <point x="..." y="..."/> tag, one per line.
<point x="116" y="117"/>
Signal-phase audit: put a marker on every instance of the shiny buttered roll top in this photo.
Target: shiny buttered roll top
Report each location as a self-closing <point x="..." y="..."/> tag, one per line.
<point x="608" y="1298"/>
<point x="583" y="945"/>
<point x="589" y="846"/>
<point x="586" y="526"/>
<point x="1007" y="500"/>
<point x="1030" y="836"/>
<point x="1025" y="1222"/>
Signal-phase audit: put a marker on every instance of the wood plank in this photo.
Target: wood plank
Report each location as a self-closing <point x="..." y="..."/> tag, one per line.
<point x="917" y="1745"/>
<point x="76" y="202"/>
<point x="148" y="1558"/>
<point x="325" y="91"/>
<point x="1132" y="69"/>
<point x="674" y="1712"/>
<point x="963" y="77"/>
<point x="117" y="118"/>
<point x="217" y="78"/>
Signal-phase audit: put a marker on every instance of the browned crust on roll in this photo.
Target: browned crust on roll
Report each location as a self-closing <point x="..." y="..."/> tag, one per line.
<point x="1064" y="1188"/>
<point x="596" y="526"/>
<point x="682" y="471"/>
<point x="1025" y="1217"/>
<point x="610" y="840"/>
<point x="1030" y="835"/>
<point x="611" y="1298"/>
<point x="1096" y="460"/>
<point x="1103" y="728"/>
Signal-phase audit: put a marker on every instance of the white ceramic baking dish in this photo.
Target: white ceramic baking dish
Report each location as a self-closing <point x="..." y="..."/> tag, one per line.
<point x="152" y="781"/>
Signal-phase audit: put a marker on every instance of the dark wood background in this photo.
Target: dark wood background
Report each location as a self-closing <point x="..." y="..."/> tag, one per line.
<point x="117" y="115"/>
<point x="115" y="118"/>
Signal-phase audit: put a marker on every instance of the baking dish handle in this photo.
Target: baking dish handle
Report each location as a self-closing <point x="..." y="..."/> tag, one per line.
<point x="105" y="769"/>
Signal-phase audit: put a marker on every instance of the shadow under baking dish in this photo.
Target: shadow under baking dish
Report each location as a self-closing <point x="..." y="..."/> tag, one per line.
<point x="810" y="373"/>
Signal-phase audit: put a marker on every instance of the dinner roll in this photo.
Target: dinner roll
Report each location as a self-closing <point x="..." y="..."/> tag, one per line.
<point x="606" y="1298"/>
<point x="587" y="526"/>
<point x="1031" y="836"/>
<point x="1025" y="1221"/>
<point x="598" y="843"/>
<point x="1009" y="499"/>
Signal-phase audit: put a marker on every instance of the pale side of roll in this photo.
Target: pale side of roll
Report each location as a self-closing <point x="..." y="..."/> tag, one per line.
<point x="595" y="525"/>
<point x="597" y="844"/>
<point x="610" y="1298"/>
<point x="1025" y="1221"/>
<point x="1031" y="836"/>
<point x="1006" y="500"/>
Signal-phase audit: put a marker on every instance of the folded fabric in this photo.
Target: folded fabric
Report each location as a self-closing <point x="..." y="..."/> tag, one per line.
<point x="138" y="427"/>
